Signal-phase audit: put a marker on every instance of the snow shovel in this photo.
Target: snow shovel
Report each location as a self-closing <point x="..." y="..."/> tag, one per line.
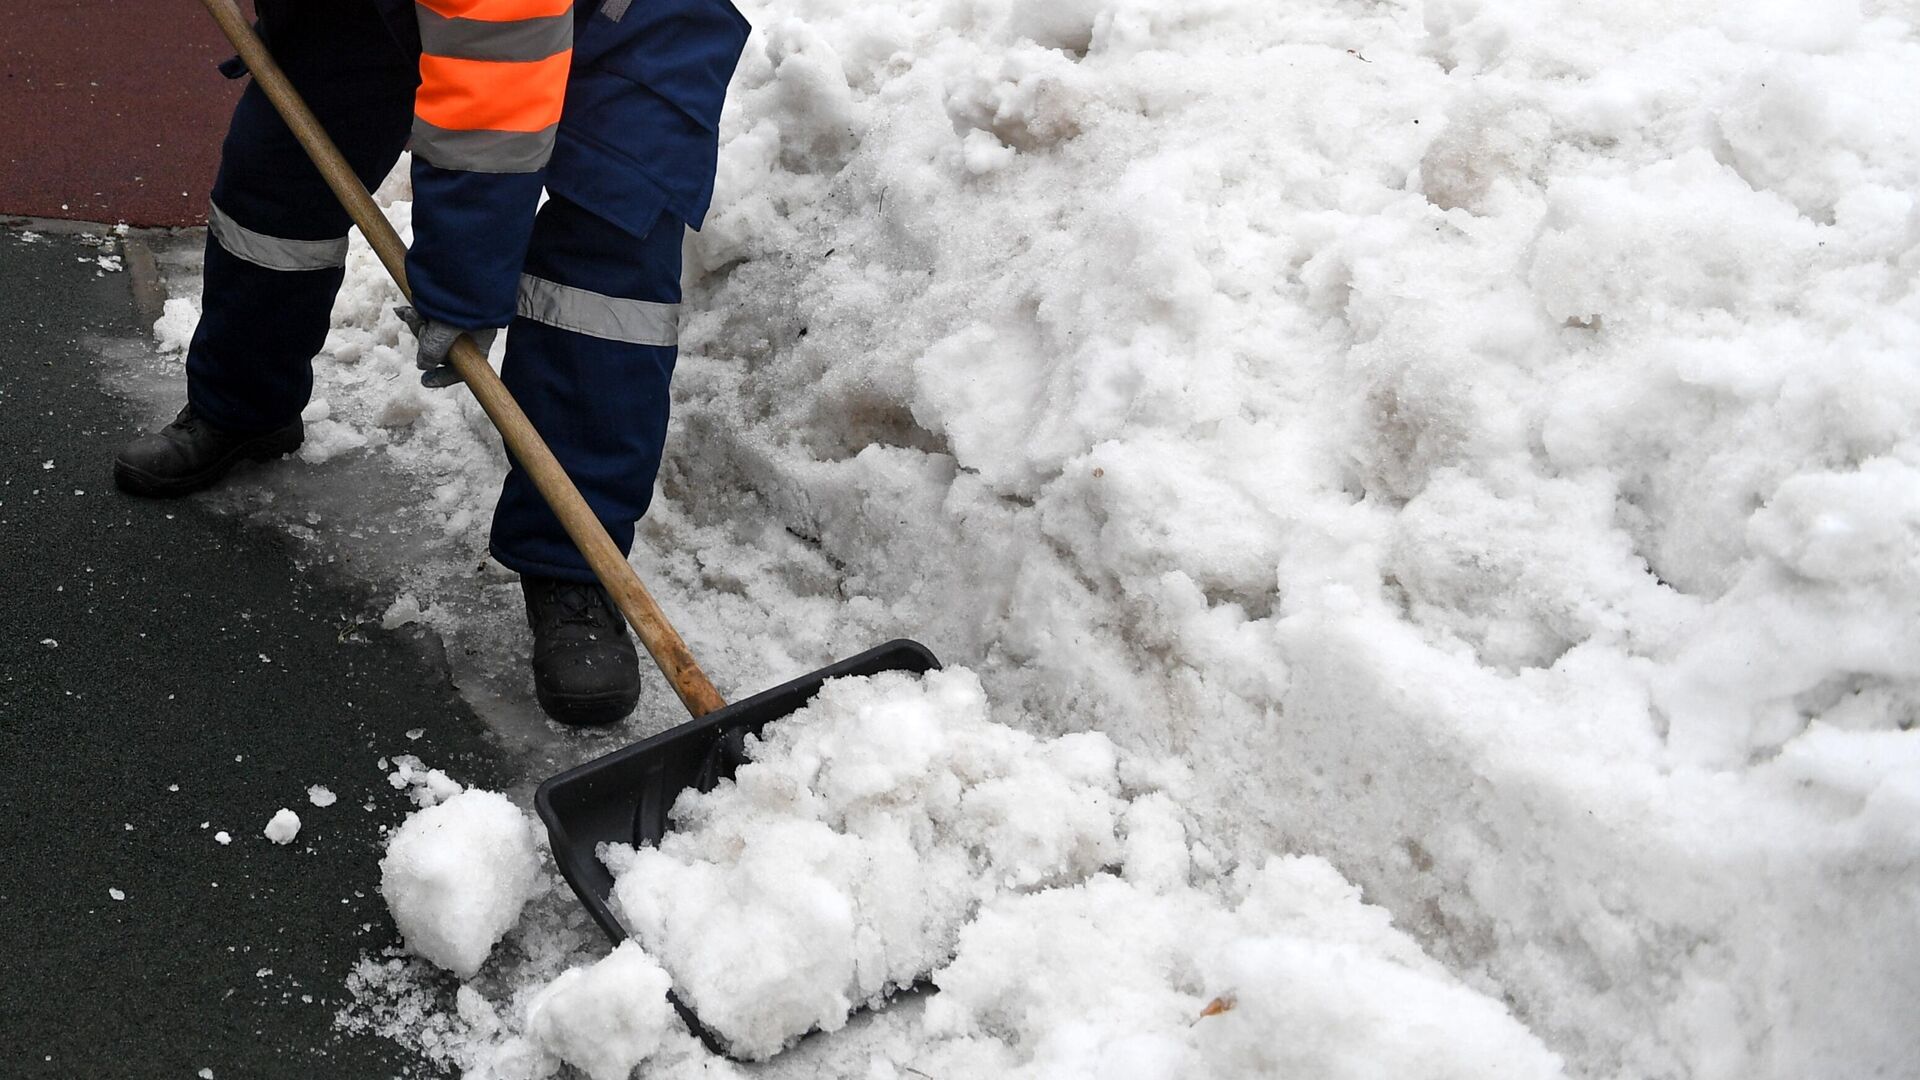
<point x="624" y="796"/>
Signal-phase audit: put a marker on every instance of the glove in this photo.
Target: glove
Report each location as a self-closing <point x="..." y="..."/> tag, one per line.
<point x="436" y="341"/>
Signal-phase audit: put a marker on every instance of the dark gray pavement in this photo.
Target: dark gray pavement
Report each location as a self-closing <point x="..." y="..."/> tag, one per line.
<point x="147" y="646"/>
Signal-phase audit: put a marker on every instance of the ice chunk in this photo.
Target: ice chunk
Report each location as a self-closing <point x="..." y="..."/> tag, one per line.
<point x="456" y="875"/>
<point x="321" y="796"/>
<point x="173" y="331"/>
<point x="425" y="786"/>
<point x="284" y="826"/>
<point x="405" y="609"/>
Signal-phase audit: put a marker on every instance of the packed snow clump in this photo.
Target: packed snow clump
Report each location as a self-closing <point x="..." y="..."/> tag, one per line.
<point x="608" y="1017"/>
<point x="173" y="331"/>
<point x="839" y="864"/>
<point x="283" y="827"/>
<point x="455" y="876"/>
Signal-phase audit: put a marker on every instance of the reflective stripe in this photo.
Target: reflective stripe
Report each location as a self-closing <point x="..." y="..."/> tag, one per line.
<point x="610" y="318"/>
<point x="481" y="95"/>
<point x="615" y="9"/>
<point x="496" y="10"/>
<point x="273" y="252"/>
<point x="483" y="151"/>
<point x="512" y="42"/>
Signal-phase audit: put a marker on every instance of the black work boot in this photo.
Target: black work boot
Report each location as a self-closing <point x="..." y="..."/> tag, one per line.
<point x="190" y="454"/>
<point x="585" y="671"/>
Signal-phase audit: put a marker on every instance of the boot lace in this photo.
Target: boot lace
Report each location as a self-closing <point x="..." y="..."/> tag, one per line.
<point x="579" y="604"/>
<point x="188" y="421"/>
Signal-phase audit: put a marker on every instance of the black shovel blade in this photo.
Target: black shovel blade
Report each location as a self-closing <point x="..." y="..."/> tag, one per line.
<point x="624" y="797"/>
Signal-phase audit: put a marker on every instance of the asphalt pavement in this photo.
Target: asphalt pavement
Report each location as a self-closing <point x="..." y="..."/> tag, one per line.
<point x="166" y="675"/>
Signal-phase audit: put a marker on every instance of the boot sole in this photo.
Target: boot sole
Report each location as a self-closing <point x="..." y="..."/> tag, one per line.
<point x="274" y="444"/>
<point x="599" y="711"/>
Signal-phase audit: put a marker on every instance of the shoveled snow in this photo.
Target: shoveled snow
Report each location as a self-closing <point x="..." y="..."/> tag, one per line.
<point x="284" y="826"/>
<point x="841" y="863"/>
<point x="890" y="833"/>
<point x="456" y="875"/>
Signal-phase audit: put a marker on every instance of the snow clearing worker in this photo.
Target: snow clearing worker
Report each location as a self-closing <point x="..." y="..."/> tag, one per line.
<point x="613" y="107"/>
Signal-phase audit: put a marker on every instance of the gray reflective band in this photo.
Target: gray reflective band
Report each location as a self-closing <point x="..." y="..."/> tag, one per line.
<point x="615" y="9"/>
<point x="520" y="40"/>
<point x="273" y="252"/>
<point x="484" y="151"/>
<point x="610" y="318"/>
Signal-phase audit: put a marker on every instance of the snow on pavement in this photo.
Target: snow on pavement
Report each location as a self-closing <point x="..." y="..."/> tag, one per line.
<point x="1478" y="438"/>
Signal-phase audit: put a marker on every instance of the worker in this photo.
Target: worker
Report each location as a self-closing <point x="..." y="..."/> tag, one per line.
<point x="611" y="106"/>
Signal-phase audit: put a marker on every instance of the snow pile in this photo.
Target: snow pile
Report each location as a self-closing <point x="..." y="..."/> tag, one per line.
<point x="1161" y="981"/>
<point x="1477" y="436"/>
<point x="456" y="875"/>
<point x="839" y="864"/>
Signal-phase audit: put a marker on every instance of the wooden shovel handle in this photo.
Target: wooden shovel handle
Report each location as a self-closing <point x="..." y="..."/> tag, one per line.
<point x="523" y="442"/>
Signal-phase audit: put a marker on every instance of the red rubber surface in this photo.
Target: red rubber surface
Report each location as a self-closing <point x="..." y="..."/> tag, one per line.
<point x="110" y="110"/>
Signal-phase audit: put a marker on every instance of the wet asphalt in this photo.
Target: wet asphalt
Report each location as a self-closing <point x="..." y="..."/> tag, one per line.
<point x="167" y="673"/>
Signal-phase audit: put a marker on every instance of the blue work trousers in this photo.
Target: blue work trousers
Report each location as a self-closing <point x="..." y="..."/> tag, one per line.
<point x="589" y="357"/>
